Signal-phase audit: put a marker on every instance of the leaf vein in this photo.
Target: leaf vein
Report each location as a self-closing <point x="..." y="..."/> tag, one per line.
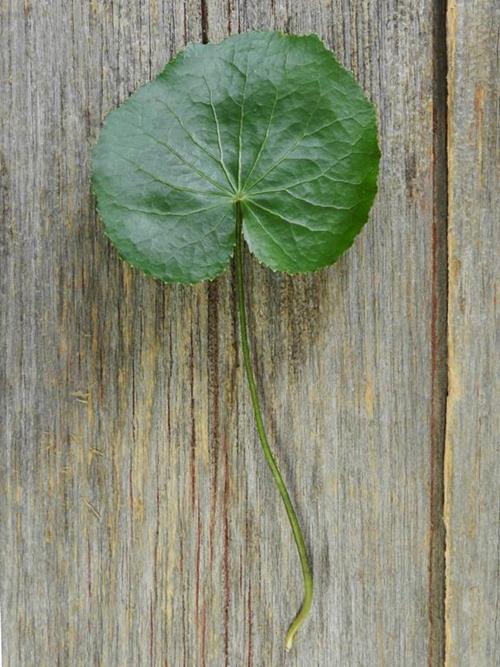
<point x="291" y="222"/>
<point x="163" y="181"/>
<point x="264" y="141"/>
<point x="242" y="115"/>
<point x="289" y="150"/>
<point x="174" y="214"/>
<point x="214" y="112"/>
<point x="279" y="245"/>
<point x="191" y="136"/>
<point x="172" y="150"/>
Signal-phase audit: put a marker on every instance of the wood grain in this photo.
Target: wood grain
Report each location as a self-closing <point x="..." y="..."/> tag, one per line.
<point x="139" y="525"/>
<point x="472" y="472"/>
<point x="372" y="372"/>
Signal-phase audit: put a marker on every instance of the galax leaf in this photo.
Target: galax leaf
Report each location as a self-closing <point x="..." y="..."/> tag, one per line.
<point x="265" y="119"/>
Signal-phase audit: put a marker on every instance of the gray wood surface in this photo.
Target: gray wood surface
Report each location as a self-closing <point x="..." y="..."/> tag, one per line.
<point x="138" y="523"/>
<point x="472" y="461"/>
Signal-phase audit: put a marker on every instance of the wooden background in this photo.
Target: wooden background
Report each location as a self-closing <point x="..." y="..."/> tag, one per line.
<point x="139" y="525"/>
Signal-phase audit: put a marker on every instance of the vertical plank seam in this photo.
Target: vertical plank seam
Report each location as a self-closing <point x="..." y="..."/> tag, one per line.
<point x="204" y="21"/>
<point x="214" y="440"/>
<point x="439" y="351"/>
<point x="450" y="52"/>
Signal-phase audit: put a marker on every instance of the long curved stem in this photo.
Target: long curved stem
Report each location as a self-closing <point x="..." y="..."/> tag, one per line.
<point x="271" y="461"/>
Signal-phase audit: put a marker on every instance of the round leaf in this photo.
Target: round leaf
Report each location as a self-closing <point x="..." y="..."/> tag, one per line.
<point x="266" y="121"/>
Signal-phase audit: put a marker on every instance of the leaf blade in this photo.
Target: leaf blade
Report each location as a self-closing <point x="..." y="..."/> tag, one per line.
<point x="268" y="119"/>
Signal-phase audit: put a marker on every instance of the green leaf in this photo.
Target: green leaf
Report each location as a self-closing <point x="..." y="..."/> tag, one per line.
<point x="265" y="119"/>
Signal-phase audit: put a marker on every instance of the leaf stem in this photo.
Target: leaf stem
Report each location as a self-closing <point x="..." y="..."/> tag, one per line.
<point x="271" y="461"/>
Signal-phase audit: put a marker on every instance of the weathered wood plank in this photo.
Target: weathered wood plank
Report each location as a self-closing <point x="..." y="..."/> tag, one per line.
<point x="366" y="342"/>
<point x="472" y="507"/>
<point x="97" y="366"/>
<point x="139" y="524"/>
